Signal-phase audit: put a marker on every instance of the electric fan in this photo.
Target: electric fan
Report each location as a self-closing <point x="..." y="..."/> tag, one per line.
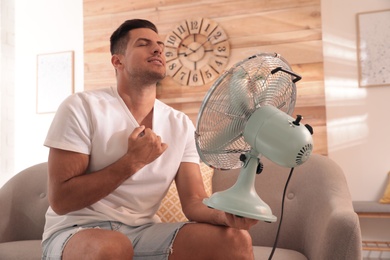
<point x="246" y="115"/>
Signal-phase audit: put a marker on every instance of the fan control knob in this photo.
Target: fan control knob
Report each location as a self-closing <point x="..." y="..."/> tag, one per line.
<point x="309" y="128"/>
<point x="297" y="120"/>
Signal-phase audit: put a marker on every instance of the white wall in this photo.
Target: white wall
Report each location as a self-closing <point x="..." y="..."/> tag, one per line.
<point x="357" y="118"/>
<point x="41" y="27"/>
<point x="7" y="93"/>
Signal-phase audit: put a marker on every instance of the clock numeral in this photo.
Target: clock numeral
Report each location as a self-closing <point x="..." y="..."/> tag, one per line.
<point x="182" y="75"/>
<point x="170" y="53"/>
<point x="222" y="49"/>
<point x="172" y="40"/>
<point x="208" y="73"/>
<point x="194" y="25"/>
<point x="218" y="63"/>
<point x="173" y="66"/>
<point x="218" y="36"/>
<point x="208" y="27"/>
<point x="181" y="30"/>
<point x="196" y="79"/>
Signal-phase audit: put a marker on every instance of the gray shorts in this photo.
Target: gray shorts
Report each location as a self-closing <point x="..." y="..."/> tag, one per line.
<point x="150" y="242"/>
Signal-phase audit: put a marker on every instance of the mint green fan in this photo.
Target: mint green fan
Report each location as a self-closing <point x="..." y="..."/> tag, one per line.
<point x="246" y="114"/>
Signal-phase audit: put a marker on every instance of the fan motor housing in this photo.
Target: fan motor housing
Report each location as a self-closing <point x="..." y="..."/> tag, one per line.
<point x="272" y="133"/>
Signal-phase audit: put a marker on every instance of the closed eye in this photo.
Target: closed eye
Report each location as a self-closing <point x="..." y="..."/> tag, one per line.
<point x="146" y="42"/>
<point x="143" y="43"/>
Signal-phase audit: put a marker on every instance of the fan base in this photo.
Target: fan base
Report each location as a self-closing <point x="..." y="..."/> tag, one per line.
<point x="254" y="209"/>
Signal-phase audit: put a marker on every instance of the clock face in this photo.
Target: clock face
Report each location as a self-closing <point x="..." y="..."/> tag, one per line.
<point x="197" y="51"/>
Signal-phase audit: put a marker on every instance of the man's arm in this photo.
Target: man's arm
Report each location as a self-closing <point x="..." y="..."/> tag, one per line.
<point x="191" y="191"/>
<point x="72" y="188"/>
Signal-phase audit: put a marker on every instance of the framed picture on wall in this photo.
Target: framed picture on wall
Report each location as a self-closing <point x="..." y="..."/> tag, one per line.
<point x="55" y="80"/>
<point x="373" y="43"/>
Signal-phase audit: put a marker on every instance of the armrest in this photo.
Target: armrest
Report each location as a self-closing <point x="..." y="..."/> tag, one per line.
<point x="23" y="205"/>
<point x="341" y="237"/>
<point x="330" y="227"/>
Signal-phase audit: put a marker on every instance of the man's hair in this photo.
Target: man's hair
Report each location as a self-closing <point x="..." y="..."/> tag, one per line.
<point x="120" y="36"/>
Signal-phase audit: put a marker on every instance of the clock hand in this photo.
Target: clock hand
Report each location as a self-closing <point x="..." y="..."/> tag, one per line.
<point x="208" y="39"/>
<point x="182" y="44"/>
<point x="193" y="51"/>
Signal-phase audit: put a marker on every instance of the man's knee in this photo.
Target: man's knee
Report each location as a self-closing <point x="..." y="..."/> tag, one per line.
<point x="117" y="246"/>
<point x="240" y="243"/>
<point x="98" y="244"/>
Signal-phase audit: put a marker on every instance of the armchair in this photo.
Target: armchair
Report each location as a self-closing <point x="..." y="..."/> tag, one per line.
<point x="319" y="222"/>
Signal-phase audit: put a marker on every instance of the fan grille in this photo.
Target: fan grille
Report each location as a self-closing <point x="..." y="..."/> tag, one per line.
<point x="232" y="99"/>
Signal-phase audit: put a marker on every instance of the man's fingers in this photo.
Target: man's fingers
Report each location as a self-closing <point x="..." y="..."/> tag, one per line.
<point x="164" y="146"/>
<point x="240" y="222"/>
<point x="139" y="131"/>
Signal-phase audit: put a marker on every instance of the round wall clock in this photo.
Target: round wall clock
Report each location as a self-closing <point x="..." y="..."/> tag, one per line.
<point x="197" y="51"/>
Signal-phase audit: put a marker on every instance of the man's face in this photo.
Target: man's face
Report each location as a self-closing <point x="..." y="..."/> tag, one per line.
<point x="144" y="55"/>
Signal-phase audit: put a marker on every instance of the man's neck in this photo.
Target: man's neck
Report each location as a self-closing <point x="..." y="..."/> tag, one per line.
<point x="140" y="102"/>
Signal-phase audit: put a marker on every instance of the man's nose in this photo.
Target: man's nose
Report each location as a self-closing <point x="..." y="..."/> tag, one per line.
<point x="157" y="49"/>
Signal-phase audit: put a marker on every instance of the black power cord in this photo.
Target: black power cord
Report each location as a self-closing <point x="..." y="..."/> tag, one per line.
<point x="281" y="215"/>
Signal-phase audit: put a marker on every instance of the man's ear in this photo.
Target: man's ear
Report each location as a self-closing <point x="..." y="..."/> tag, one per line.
<point x="116" y="61"/>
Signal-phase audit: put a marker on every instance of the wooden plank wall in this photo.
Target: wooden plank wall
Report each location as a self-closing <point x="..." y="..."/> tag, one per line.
<point x="291" y="28"/>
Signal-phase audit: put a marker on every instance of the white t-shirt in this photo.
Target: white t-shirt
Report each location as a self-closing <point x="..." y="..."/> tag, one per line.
<point x="98" y="123"/>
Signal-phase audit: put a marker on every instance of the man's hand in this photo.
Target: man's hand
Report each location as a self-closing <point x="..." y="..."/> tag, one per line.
<point x="239" y="222"/>
<point x="144" y="146"/>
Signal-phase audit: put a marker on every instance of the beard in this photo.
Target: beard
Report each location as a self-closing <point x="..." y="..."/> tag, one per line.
<point x="147" y="76"/>
<point x="155" y="76"/>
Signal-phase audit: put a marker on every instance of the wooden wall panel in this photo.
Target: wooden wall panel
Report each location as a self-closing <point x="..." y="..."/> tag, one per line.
<point x="289" y="27"/>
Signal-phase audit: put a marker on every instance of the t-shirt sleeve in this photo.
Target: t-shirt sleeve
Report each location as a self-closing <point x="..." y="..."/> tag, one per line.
<point x="71" y="129"/>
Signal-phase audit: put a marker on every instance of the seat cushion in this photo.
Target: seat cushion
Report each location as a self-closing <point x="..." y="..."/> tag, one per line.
<point x="21" y="250"/>
<point x="262" y="253"/>
<point x="31" y="250"/>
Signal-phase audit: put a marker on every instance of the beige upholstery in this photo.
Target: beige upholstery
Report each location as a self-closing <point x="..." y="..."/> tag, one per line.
<point x="22" y="215"/>
<point x="319" y="221"/>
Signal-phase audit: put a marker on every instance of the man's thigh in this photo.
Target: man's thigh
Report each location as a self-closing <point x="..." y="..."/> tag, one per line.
<point x="206" y="241"/>
<point x="80" y="237"/>
<point x="150" y="241"/>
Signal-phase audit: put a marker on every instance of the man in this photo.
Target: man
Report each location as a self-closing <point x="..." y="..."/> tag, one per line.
<point x="113" y="154"/>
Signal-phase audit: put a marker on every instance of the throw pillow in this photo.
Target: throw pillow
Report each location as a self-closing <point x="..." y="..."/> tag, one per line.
<point x="170" y="209"/>
<point x="386" y="195"/>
